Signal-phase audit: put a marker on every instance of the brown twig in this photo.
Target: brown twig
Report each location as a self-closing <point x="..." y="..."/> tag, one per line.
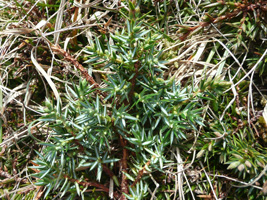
<point x="72" y="60"/>
<point x="133" y="80"/>
<point x="141" y="172"/>
<point x="81" y="148"/>
<point x="90" y="184"/>
<point x="107" y="171"/>
<point x="8" y="177"/>
<point x="124" y="181"/>
<point x="58" y="50"/>
<point x="240" y="8"/>
<point x="110" y="173"/>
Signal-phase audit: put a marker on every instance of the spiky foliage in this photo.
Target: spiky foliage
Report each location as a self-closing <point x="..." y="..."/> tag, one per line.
<point x="124" y="134"/>
<point x="153" y="99"/>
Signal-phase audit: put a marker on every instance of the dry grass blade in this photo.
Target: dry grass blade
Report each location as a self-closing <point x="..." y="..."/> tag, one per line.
<point x="8" y="141"/>
<point x="20" y="31"/>
<point x="70" y="28"/>
<point x="79" y="5"/>
<point x="208" y="178"/>
<point x="59" y="21"/>
<point x="13" y="94"/>
<point x="180" y="181"/>
<point x="47" y="77"/>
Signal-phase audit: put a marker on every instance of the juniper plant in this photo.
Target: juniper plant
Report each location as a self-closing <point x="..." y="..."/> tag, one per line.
<point x="121" y="136"/>
<point x="135" y="135"/>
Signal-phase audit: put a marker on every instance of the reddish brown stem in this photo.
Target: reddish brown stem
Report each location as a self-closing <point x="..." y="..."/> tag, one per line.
<point x="8" y="177"/>
<point x="133" y="80"/>
<point x="141" y="172"/>
<point x="124" y="181"/>
<point x="244" y="8"/>
<point x="68" y="57"/>
<point x="108" y="171"/>
<point x="90" y="184"/>
<point x="77" y="142"/>
<point x="72" y="60"/>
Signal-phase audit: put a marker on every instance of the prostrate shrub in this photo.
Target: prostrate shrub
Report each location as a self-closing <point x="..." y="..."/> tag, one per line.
<point x="123" y="135"/>
<point x="155" y="99"/>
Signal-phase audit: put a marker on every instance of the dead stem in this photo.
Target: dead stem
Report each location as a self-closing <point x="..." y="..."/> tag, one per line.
<point x="57" y="49"/>
<point x="124" y="181"/>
